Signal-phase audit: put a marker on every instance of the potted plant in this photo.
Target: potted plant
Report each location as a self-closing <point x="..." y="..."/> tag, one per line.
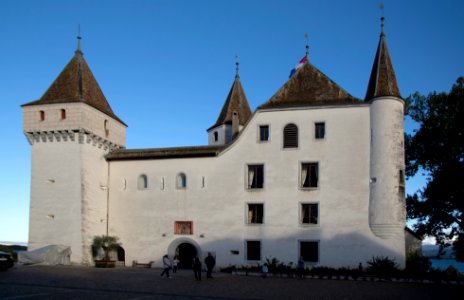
<point x="108" y="244"/>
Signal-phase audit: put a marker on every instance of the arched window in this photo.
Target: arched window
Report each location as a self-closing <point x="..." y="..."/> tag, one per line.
<point x="42" y="115"/>
<point x="181" y="181"/>
<point x="142" y="182"/>
<point x="291" y="136"/>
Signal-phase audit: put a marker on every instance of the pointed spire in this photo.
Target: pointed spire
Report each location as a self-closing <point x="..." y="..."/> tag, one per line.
<point x="76" y="83"/>
<point x="236" y="102"/>
<point x="383" y="80"/>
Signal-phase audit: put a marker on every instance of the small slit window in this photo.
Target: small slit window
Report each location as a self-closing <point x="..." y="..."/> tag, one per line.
<point x="63" y="114"/>
<point x="42" y="115"/>
<point x="142" y="182"/>
<point x="291" y="136"/>
<point x="181" y="181"/>
<point x="105" y="127"/>
<point x="216" y="136"/>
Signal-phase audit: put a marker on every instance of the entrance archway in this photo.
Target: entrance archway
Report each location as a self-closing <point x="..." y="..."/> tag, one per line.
<point x="186" y="253"/>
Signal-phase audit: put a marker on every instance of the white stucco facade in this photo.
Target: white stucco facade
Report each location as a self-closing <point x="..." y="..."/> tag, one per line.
<point x="333" y="192"/>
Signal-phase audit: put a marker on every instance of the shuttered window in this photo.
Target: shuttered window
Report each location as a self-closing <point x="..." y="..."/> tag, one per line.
<point x="291" y="136"/>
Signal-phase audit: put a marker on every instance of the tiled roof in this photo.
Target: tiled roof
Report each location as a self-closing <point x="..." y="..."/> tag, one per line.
<point x="164" y="153"/>
<point x="76" y="83"/>
<point x="309" y="87"/>
<point x="236" y="101"/>
<point x="383" y="80"/>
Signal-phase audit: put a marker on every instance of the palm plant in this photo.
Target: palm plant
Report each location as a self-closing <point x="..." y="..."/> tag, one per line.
<point x="107" y="243"/>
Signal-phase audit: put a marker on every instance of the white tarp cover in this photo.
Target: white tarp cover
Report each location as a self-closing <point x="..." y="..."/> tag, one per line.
<point x="49" y="255"/>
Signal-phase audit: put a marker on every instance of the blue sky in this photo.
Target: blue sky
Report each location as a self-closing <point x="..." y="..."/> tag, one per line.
<point x="166" y="66"/>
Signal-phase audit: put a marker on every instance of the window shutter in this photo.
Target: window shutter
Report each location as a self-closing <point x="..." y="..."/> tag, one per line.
<point x="291" y="136"/>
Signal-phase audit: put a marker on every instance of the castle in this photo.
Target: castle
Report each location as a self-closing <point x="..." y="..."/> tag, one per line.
<point x="313" y="172"/>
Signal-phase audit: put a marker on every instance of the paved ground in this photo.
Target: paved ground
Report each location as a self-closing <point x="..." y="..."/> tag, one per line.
<point x="73" y="282"/>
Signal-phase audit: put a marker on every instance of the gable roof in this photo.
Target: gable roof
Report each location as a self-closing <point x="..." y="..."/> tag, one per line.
<point x="309" y="87"/>
<point x="164" y="153"/>
<point x="383" y="80"/>
<point x="76" y="83"/>
<point x="236" y="101"/>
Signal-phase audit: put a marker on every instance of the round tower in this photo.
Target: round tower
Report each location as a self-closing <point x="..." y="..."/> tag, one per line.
<point x="387" y="214"/>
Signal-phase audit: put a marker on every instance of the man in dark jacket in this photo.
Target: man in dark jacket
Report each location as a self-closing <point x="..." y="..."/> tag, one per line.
<point x="210" y="262"/>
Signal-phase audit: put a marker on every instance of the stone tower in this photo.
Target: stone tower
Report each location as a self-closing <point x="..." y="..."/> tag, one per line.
<point x="70" y="129"/>
<point x="387" y="214"/>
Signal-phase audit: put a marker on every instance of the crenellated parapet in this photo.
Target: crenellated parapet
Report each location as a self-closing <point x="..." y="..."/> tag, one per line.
<point x="80" y="135"/>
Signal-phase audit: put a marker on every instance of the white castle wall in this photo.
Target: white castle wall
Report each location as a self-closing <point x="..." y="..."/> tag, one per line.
<point x="144" y="219"/>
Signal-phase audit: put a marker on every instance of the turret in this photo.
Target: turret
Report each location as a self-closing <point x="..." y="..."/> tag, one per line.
<point x="233" y="117"/>
<point x="386" y="204"/>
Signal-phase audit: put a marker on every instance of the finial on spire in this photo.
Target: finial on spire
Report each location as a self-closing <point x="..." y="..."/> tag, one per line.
<point x="307" y="45"/>
<point x="382" y="18"/>
<point x="79" y="39"/>
<point x="236" y="66"/>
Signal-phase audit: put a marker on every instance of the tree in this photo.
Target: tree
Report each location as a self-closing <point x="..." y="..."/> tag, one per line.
<point x="437" y="150"/>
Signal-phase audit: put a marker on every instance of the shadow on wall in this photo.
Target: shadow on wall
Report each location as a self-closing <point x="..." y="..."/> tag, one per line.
<point x="343" y="250"/>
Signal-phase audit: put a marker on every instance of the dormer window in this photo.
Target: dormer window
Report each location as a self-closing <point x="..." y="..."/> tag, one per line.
<point x="42" y="115"/>
<point x="63" y="114"/>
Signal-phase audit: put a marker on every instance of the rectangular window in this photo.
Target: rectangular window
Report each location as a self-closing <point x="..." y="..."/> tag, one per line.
<point x="253" y="250"/>
<point x="320" y="130"/>
<point x="309" y="214"/>
<point x="183" y="227"/>
<point x="63" y="114"/>
<point x="42" y="115"/>
<point x="309" y="250"/>
<point x="255" y="214"/>
<point x="255" y="176"/>
<point x="264" y="133"/>
<point x="309" y="177"/>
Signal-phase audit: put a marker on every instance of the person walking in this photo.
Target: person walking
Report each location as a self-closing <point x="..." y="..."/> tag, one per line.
<point x="166" y="266"/>
<point x="300" y="268"/>
<point x="175" y="263"/>
<point x="197" y="268"/>
<point x="210" y="263"/>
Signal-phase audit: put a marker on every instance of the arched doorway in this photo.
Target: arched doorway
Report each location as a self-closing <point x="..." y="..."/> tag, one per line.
<point x="186" y="253"/>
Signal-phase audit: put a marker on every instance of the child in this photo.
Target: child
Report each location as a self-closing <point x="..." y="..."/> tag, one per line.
<point x="264" y="271"/>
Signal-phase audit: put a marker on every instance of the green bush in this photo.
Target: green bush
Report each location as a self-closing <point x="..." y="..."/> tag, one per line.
<point x="382" y="267"/>
<point x="417" y="265"/>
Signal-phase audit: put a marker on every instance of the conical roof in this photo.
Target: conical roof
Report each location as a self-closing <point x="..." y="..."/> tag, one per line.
<point x="309" y="87"/>
<point x="383" y="80"/>
<point x="76" y="83"/>
<point x="236" y="101"/>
